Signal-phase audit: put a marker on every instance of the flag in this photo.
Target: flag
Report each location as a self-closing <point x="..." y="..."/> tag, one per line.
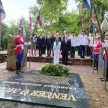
<point x="39" y="19"/>
<point x="30" y="25"/>
<point x="94" y="23"/>
<point x="2" y="12"/>
<point x="87" y="4"/>
<point x="82" y="22"/>
<point x="84" y="6"/>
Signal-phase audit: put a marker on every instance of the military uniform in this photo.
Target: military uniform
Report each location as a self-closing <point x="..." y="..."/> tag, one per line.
<point x="19" y="50"/>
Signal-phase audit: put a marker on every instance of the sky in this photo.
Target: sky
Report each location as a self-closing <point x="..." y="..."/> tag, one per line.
<point x="15" y="9"/>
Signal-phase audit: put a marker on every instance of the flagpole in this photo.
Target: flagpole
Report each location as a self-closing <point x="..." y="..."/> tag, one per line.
<point x="0" y="30"/>
<point x="101" y="36"/>
<point x="93" y="41"/>
<point x="29" y="46"/>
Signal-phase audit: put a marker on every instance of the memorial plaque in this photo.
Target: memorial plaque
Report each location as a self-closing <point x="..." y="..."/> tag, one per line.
<point x="34" y="88"/>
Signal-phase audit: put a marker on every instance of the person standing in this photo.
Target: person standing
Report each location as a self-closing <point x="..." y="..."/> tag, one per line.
<point x="65" y="49"/>
<point x="40" y="43"/>
<point x="56" y="50"/>
<point x="33" y="43"/>
<point x="53" y="40"/>
<point x="19" y="50"/>
<point x="91" y="42"/>
<point x="70" y="35"/>
<point x="58" y="36"/>
<point x="73" y="44"/>
<point x="78" y="45"/>
<point x="49" y="44"/>
<point x="62" y="37"/>
<point x="44" y="47"/>
<point x="88" y="48"/>
<point x="84" y="41"/>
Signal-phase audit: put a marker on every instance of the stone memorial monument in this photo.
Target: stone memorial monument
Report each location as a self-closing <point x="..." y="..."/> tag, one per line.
<point x="11" y="57"/>
<point x="34" y="88"/>
<point x="104" y="28"/>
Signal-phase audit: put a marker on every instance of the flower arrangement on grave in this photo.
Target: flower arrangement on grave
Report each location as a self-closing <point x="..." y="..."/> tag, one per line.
<point x="55" y="70"/>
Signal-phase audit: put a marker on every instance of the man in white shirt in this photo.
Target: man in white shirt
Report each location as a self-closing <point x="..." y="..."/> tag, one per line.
<point x="83" y="44"/>
<point x="78" y="44"/>
<point x="91" y="43"/>
<point x="88" y="48"/>
<point x="73" y="44"/>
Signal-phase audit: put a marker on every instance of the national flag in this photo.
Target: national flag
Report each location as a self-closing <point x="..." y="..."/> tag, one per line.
<point x="39" y="19"/>
<point x="84" y="6"/>
<point x="94" y="23"/>
<point x="30" y="25"/>
<point x="82" y="21"/>
<point x="87" y="4"/>
<point x="2" y="12"/>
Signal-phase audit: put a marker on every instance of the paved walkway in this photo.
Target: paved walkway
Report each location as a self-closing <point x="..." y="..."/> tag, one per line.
<point x="97" y="95"/>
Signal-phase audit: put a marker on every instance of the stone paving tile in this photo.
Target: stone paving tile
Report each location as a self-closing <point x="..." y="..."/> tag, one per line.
<point x="97" y="95"/>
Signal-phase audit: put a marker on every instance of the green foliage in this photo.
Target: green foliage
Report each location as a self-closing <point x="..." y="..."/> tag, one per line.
<point x="55" y="70"/>
<point x="101" y="7"/>
<point x="12" y="29"/>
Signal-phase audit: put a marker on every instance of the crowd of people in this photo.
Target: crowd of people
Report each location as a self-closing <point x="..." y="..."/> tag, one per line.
<point x="64" y="43"/>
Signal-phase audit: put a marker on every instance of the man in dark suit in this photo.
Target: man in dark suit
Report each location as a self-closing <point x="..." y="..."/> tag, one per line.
<point x="49" y="44"/>
<point x="65" y="49"/>
<point x="53" y="39"/>
<point x="40" y="43"/>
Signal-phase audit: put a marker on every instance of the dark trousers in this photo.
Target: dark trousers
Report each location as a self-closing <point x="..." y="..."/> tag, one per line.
<point x="40" y="50"/>
<point x="82" y="50"/>
<point x="91" y="52"/>
<point x="88" y="50"/>
<point x="44" y="49"/>
<point x="79" y="50"/>
<point x="48" y="50"/>
<point x="73" y="51"/>
<point x="65" y="58"/>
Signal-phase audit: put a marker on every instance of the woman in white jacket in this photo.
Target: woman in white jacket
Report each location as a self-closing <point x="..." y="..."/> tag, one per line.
<point x="56" y="50"/>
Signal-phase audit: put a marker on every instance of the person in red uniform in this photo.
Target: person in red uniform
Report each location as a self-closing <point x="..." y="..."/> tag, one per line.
<point x="96" y="50"/>
<point x="19" y="50"/>
<point x="104" y="55"/>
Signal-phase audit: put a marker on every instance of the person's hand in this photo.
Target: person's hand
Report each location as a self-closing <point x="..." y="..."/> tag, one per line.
<point x="29" y="43"/>
<point x="94" y="46"/>
<point x="25" y="43"/>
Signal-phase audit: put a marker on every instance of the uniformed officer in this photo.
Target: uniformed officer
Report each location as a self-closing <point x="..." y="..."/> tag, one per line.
<point x="19" y="50"/>
<point x="83" y="44"/>
<point x="73" y="44"/>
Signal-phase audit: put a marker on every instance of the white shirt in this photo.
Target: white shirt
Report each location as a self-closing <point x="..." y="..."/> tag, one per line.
<point x="84" y="40"/>
<point x="34" y="38"/>
<point x="73" y="41"/>
<point x="48" y="36"/>
<point x="78" y="41"/>
<point x="91" y="40"/>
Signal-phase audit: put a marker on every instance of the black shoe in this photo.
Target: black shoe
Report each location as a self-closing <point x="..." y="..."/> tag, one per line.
<point x="101" y="78"/>
<point x="95" y="68"/>
<point x="17" y="72"/>
<point x="104" y="79"/>
<point x="21" y="71"/>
